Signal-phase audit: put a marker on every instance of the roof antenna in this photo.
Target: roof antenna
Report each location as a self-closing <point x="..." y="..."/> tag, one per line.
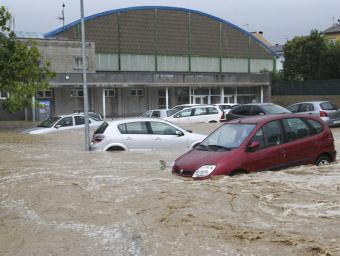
<point x="62" y="18"/>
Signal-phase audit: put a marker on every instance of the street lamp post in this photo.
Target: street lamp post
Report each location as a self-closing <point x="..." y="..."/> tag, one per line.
<point x="83" y="48"/>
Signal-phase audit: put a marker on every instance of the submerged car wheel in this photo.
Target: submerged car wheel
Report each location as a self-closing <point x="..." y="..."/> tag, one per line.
<point x="116" y="148"/>
<point x="323" y="160"/>
<point x="238" y="172"/>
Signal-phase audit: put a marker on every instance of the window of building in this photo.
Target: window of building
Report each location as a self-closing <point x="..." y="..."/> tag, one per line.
<point x="110" y="93"/>
<point x="44" y="94"/>
<point x="76" y="93"/>
<point x="137" y="92"/>
<point x="78" y="62"/>
<point x="4" y="95"/>
<point x="161" y="98"/>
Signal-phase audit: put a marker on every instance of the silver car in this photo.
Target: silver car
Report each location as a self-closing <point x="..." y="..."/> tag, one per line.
<point x="327" y="111"/>
<point x="161" y="113"/>
<point x="142" y="133"/>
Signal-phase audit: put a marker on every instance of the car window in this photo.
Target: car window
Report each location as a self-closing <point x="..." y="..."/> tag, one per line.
<point x="200" y="111"/>
<point x="295" y="128"/>
<point x="328" y="106"/>
<point x="273" y="109"/>
<point x="257" y="111"/>
<point x="294" y="108"/>
<point x="133" y="128"/>
<point x="272" y="134"/>
<point x="147" y="114"/>
<point x="241" y="110"/>
<point x="101" y="129"/>
<point x="95" y="116"/>
<point x="259" y="137"/>
<point x="66" y="121"/>
<point x="49" y="122"/>
<point x="156" y="114"/>
<point x="228" y="136"/>
<point x="318" y="127"/>
<point x="162" y="128"/>
<point x="79" y="120"/>
<point x="212" y="111"/>
<point x="183" y="113"/>
<point x="306" y="107"/>
<point x="171" y="112"/>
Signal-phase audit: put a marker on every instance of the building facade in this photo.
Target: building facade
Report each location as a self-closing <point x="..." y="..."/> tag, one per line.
<point x="333" y="32"/>
<point x="155" y="57"/>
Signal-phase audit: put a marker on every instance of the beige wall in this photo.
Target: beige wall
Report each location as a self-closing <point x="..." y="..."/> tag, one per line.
<point x="61" y="55"/>
<point x="291" y="99"/>
<point x="334" y="36"/>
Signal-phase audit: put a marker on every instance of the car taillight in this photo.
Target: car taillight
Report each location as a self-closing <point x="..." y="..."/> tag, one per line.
<point x="97" y="138"/>
<point x="323" y="114"/>
<point x="222" y="116"/>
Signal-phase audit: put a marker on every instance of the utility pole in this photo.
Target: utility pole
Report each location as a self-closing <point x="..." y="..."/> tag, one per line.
<point x="86" y="103"/>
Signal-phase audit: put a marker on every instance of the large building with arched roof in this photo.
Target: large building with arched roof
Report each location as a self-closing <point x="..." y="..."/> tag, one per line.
<point x="143" y="58"/>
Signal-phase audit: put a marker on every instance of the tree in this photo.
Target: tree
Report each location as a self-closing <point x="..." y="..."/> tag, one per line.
<point x="22" y="72"/>
<point x="311" y="57"/>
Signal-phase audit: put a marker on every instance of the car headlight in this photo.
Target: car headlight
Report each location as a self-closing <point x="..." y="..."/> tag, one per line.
<point x="204" y="171"/>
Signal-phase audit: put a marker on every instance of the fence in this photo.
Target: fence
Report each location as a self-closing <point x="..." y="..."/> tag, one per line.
<point x="329" y="87"/>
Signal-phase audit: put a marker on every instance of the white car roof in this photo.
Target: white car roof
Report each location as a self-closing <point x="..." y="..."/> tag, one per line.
<point x="136" y="119"/>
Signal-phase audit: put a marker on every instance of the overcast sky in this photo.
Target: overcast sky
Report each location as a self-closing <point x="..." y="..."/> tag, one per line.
<point x="278" y="19"/>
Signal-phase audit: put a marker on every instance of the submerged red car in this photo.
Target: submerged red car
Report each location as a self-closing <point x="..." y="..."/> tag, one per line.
<point x="257" y="144"/>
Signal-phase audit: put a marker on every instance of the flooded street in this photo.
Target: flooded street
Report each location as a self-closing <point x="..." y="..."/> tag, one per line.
<point x="57" y="199"/>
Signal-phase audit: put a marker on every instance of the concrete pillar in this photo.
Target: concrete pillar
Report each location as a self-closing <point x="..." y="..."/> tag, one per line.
<point x="190" y="100"/>
<point x="235" y="96"/>
<point x="209" y="96"/>
<point x="104" y="104"/>
<point x="222" y="95"/>
<point x="167" y="98"/>
<point x="33" y="109"/>
<point x="261" y="93"/>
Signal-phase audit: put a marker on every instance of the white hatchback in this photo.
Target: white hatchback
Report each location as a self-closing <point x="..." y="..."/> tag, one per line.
<point x="62" y="123"/>
<point x="198" y="114"/>
<point x="142" y="133"/>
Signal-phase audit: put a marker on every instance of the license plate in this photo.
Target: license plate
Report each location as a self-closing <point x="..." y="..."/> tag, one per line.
<point x="337" y="122"/>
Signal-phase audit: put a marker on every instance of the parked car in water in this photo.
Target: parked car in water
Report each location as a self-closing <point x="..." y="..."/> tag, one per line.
<point x="198" y="114"/>
<point x="254" y="109"/>
<point x="93" y="115"/>
<point x="326" y="110"/>
<point x="226" y="107"/>
<point x="184" y="106"/>
<point x="257" y="144"/>
<point x="161" y="113"/>
<point x="142" y="133"/>
<point x="62" y="123"/>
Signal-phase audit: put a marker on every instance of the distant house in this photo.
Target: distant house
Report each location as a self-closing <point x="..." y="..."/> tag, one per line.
<point x="278" y="49"/>
<point x="333" y="33"/>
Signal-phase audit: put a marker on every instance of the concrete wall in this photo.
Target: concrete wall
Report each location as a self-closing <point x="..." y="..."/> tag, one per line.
<point x="61" y="54"/>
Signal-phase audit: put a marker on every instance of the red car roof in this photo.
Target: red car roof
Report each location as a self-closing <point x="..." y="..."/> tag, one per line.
<point x="260" y="118"/>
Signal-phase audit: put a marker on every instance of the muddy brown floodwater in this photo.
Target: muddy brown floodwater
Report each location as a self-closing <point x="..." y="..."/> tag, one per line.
<point x="57" y="199"/>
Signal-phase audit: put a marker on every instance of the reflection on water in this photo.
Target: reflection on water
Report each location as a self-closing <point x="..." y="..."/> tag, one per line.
<point x="57" y="199"/>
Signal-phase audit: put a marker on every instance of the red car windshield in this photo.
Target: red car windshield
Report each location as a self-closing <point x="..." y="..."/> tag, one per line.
<point x="227" y="137"/>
